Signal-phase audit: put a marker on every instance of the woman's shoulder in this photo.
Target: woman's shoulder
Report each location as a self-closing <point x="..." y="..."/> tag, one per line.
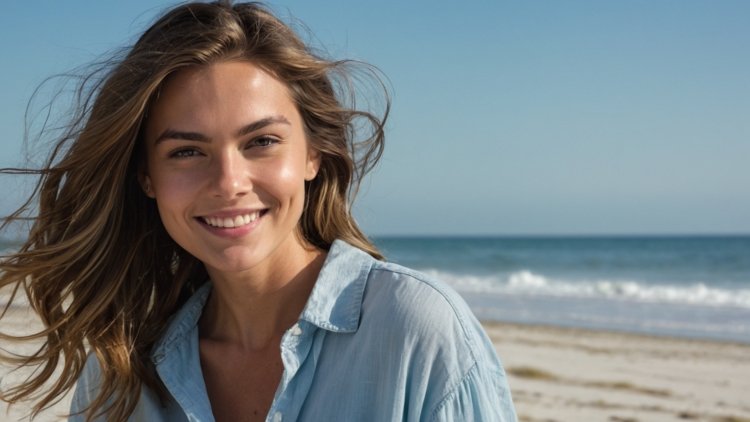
<point x="421" y="291"/>
<point x="398" y="297"/>
<point x="426" y="323"/>
<point x="421" y="307"/>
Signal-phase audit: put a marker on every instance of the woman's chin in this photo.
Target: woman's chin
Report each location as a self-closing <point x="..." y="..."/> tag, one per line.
<point x="230" y="265"/>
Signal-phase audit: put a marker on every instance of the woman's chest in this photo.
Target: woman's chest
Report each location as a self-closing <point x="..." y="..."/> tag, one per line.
<point x="240" y="385"/>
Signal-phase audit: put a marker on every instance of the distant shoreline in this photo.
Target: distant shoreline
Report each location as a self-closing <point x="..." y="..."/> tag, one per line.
<point x="562" y="236"/>
<point x="634" y="335"/>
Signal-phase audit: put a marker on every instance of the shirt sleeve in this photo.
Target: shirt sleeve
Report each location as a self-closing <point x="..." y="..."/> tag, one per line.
<point x="482" y="395"/>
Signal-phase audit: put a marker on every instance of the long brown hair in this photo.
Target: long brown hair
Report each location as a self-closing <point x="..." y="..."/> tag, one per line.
<point x="98" y="267"/>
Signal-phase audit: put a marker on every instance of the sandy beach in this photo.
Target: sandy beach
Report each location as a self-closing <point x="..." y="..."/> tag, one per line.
<point x="560" y="374"/>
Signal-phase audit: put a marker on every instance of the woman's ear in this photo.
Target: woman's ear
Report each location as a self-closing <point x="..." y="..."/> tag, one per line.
<point x="145" y="182"/>
<point x="313" y="164"/>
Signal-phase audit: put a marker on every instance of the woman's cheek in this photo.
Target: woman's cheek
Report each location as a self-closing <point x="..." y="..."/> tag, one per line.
<point x="178" y="187"/>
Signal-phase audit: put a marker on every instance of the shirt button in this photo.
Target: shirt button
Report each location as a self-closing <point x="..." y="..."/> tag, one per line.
<point x="277" y="417"/>
<point x="296" y="330"/>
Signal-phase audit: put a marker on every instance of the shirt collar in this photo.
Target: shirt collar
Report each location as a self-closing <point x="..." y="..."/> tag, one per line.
<point x="183" y="322"/>
<point x="335" y="302"/>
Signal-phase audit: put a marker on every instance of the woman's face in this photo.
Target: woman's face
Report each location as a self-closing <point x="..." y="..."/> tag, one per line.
<point x="227" y="163"/>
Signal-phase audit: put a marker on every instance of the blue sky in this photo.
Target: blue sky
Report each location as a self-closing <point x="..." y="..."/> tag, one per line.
<point x="534" y="117"/>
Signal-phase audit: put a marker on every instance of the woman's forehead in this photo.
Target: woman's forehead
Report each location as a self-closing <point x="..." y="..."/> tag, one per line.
<point x="221" y="94"/>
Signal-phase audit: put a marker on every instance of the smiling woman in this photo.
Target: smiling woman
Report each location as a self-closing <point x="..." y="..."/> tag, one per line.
<point x="194" y="256"/>
<point x="228" y="160"/>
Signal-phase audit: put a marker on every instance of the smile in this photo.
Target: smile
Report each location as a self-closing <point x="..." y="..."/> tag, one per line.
<point x="231" y="222"/>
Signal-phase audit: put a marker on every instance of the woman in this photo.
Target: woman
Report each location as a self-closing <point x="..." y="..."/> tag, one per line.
<point x="194" y="239"/>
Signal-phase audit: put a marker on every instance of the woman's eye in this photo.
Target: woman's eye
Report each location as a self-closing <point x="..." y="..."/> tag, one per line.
<point x="263" y="141"/>
<point x="183" y="153"/>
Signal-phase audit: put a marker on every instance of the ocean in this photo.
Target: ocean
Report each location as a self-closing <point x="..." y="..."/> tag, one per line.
<point x="685" y="286"/>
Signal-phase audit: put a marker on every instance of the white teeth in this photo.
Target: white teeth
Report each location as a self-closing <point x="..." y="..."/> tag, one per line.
<point x="229" y="223"/>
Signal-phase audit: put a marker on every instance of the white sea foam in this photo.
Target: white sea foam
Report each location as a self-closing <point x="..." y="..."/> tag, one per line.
<point x="528" y="283"/>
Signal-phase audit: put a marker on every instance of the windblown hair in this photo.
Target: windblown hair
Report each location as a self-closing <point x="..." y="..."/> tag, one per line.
<point x="98" y="267"/>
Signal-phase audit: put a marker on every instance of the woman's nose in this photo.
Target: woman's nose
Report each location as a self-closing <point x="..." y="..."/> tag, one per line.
<point x="231" y="176"/>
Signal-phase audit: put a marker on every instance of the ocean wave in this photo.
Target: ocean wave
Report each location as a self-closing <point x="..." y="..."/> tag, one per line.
<point x="526" y="282"/>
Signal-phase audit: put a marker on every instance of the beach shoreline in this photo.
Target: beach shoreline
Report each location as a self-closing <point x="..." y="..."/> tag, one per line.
<point x="579" y="374"/>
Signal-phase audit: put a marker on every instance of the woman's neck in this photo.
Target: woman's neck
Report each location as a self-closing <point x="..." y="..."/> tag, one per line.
<point x="253" y="309"/>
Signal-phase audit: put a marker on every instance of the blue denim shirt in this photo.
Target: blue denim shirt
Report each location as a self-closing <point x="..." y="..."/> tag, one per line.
<point x="375" y="341"/>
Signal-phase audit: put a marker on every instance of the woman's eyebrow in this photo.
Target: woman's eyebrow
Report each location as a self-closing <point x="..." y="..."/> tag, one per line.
<point x="199" y="137"/>
<point x="259" y="124"/>
<point x="185" y="136"/>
